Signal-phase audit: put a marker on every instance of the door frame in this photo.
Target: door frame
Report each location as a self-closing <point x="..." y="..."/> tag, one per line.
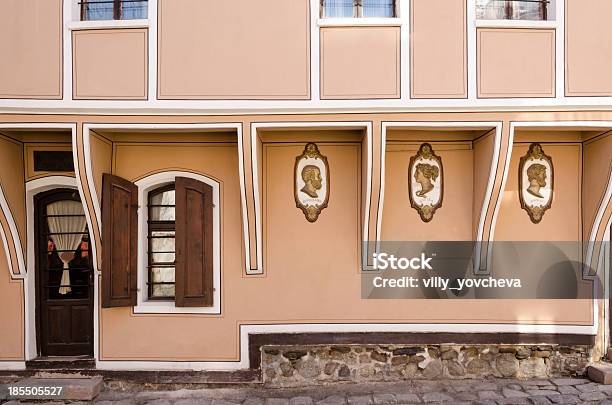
<point x="39" y="257"/>
<point x="34" y="187"/>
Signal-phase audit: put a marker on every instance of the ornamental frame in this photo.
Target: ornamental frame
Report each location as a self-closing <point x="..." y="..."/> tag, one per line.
<point x="311" y="211"/>
<point x="536" y="212"/>
<point x="426" y="211"/>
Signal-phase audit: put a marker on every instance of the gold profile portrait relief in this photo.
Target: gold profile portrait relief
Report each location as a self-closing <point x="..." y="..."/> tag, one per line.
<point x="425" y="182"/>
<point x="536" y="182"/>
<point x="311" y="182"/>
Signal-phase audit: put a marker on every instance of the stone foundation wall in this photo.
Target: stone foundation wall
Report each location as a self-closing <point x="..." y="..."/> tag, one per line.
<point x="320" y="364"/>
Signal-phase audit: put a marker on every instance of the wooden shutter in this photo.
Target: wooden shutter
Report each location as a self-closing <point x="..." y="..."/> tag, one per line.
<point x="119" y="242"/>
<point x="194" y="243"/>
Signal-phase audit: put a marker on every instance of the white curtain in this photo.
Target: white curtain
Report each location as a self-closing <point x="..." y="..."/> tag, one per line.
<point x="67" y="233"/>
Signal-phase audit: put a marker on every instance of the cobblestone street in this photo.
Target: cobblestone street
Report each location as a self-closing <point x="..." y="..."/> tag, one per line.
<point x="487" y="392"/>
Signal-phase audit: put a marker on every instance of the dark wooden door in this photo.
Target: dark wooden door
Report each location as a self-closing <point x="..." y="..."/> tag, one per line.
<point x="64" y="277"/>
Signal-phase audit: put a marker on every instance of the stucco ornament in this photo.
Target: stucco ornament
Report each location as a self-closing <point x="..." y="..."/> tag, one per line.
<point x="536" y="181"/>
<point x="425" y="182"/>
<point x="311" y="182"/>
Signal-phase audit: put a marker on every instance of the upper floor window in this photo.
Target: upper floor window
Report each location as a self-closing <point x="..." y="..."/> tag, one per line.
<point x="358" y="8"/>
<point x="539" y="10"/>
<point x="113" y="9"/>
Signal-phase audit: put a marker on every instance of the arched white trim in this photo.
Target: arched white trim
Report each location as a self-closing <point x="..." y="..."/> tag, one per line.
<point x="597" y="224"/>
<point x="145" y="185"/>
<point x="34" y="187"/>
<point x="20" y="271"/>
<point x="21" y="261"/>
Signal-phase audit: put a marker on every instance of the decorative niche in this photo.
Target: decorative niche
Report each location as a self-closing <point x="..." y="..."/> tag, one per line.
<point x="435" y="182"/>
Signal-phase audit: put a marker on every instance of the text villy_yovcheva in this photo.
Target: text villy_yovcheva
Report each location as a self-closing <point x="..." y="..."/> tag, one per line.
<point x="423" y="263"/>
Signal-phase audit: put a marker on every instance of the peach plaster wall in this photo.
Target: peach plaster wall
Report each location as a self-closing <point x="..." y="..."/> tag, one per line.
<point x="110" y="64"/>
<point x="11" y="314"/>
<point x="438" y="49"/>
<point x="360" y="62"/>
<point x="234" y="50"/>
<point x="588" y="49"/>
<point x="515" y="62"/>
<point x="31" y="43"/>
<point x="313" y="282"/>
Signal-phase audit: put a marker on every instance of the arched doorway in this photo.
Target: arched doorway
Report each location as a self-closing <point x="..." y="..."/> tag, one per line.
<point x="64" y="275"/>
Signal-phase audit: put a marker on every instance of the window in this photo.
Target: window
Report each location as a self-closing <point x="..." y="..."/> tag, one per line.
<point x="161" y="242"/>
<point x="92" y="10"/>
<point x="541" y="10"/>
<point x="161" y="239"/>
<point x="358" y="8"/>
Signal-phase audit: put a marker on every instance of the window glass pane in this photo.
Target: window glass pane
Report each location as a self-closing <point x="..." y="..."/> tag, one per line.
<point x="98" y="9"/>
<point x="160" y="243"/>
<point x="527" y="10"/>
<point x="134" y="9"/>
<point x="162" y="275"/>
<point x="515" y="9"/>
<point x="490" y="9"/>
<point x="163" y="290"/>
<point x="162" y="214"/>
<point x="166" y="212"/>
<point x="157" y="258"/>
<point x="337" y="8"/>
<point x="378" y="8"/>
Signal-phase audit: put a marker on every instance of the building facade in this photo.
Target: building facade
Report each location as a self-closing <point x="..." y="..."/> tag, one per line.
<point x="149" y="213"/>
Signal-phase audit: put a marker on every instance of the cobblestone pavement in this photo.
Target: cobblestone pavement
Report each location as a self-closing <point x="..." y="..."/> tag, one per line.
<point x="486" y="392"/>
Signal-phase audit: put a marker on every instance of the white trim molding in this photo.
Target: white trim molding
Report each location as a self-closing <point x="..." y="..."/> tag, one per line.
<point x="34" y="187"/>
<point x="12" y="365"/>
<point x="606" y="198"/>
<point x="359" y="22"/>
<point x="107" y="24"/>
<point x="144" y="305"/>
<point x="293" y="125"/>
<point x="245" y="330"/>
<point x="14" y="236"/>
<point x="20" y="271"/>
<point x="87" y="128"/>
<point x="314" y="105"/>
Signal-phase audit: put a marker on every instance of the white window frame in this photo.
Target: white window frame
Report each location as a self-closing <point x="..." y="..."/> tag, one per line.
<point x="144" y="305"/>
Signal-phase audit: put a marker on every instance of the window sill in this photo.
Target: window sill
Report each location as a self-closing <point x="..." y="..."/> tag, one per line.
<point x="365" y="21"/>
<point x="106" y="24"/>
<point x="515" y="24"/>
<point x="168" y="307"/>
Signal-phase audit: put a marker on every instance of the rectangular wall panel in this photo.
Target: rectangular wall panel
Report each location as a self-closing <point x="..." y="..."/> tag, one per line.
<point x="110" y="64"/>
<point x="360" y="62"/>
<point x="31" y="49"/>
<point x="516" y="62"/>
<point x="438" y="67"/>
<point x="588" y="48"/>
<point x="242" y="49"/>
